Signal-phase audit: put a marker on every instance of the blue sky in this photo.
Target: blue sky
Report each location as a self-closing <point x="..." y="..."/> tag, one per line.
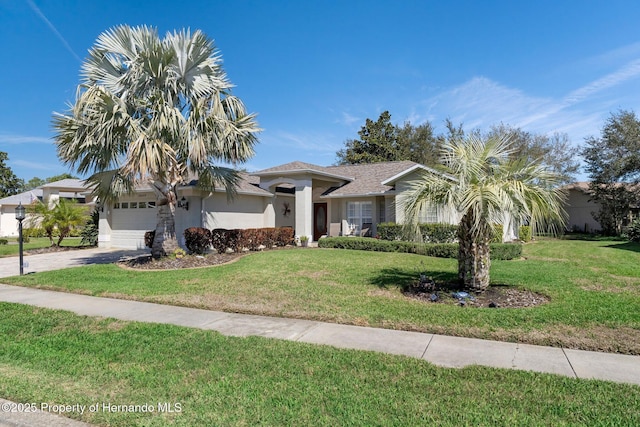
<point x="313" y="71"/>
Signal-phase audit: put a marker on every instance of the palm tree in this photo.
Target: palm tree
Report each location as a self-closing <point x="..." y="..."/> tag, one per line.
<point x="158" y="112"/>
<point x="484" y="187"/>
<point x="57" y="218"/>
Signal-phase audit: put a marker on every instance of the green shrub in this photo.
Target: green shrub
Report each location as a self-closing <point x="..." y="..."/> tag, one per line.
<point x="524" y="233"/>
<point x="4" y="242"/>
<point x="439" y="233"/>
<point x="390" y="231"/>
<point x="431" y="233"/>
<point x="25" y="239"/>
<point x="499" y="251"/>
<point x="632" y="232"/>
<point x="33" y="232"/>
<point x="197" y="239"/>
<point x="89" y="232"/>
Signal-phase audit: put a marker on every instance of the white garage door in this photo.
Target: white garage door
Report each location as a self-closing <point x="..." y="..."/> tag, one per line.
<point x="130" y="219"/>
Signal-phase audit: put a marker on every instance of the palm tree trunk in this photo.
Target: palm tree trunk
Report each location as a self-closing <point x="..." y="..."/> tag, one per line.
<point x="165" y="241"/>
<point x="473" y="257"/>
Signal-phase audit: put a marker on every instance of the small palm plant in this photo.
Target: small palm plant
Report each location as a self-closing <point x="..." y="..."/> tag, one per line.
<point x="483" y="186"/>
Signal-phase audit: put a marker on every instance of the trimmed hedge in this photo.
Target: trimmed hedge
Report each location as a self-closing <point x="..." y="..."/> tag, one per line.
<point x="524" y="233"/>
<point x="431" y="233"/>
<point x="197" y="239"/>
<point x="499" y="251"/>
<point x="4" y="242"/>
<point x="252" y="238"/>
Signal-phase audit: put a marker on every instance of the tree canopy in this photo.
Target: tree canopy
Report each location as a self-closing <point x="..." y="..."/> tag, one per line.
<point x="613" y="164"/>
<point x="10" y="184"/>
<point x="158" y="111"/>
<point x="382" y="141"/>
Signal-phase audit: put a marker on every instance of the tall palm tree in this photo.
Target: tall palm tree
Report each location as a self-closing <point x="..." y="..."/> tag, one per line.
<point x="155" y="111"/>
<point x="484" y="187"/>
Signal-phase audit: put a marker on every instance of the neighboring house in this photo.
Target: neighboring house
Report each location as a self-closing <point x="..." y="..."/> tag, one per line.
<point x="315" y="200"/>
<point x="580" y="209"/>
<point x="71" y="189"/>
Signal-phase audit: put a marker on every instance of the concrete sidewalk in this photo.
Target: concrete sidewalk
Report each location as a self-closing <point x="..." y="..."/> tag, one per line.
<point x="438" y="349"/>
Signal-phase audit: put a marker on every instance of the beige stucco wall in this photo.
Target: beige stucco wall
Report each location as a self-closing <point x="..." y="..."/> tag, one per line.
<point x="579" y="209"/>
<point x="243" y="212"/>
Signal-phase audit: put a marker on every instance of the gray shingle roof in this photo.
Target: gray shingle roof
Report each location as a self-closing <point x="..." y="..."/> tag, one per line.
<point x="368" y="178"/>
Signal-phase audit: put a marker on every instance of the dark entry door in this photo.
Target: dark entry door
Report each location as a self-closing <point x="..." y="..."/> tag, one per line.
<point x="319" y="220"/>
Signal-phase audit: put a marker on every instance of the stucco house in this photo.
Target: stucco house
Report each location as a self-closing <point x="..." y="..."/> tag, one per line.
<point x="580" y="209"/>
<point x="315" y="200"/>
<point x="71" y="189"/>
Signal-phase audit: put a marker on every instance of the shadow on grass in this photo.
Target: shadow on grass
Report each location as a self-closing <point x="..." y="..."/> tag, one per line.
<point x="404" y="278"/>
<point x="627" y="246"/>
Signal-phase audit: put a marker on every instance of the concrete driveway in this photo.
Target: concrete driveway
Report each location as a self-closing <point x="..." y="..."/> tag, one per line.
<point x="10" y="266"/>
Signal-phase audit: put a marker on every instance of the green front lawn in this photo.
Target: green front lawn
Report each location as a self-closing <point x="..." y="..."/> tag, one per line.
<point x="593" y="286"/>
<point x="12" y="249"/>
<point x="207" y="379"/>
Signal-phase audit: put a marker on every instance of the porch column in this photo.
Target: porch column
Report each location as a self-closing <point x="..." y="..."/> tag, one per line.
<point x="104" y="226"/>
<point x="304" y="208"/>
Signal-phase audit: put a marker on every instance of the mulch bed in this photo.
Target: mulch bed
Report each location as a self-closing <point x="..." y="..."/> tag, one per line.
<point x="146" y="262"/>
<point x="495" y="296"/>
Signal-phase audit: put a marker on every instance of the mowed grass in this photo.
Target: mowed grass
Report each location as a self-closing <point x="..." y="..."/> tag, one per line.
<point x="593" y="286"/>
<point x="63" y="359"/>
<point x="13" y="249"/>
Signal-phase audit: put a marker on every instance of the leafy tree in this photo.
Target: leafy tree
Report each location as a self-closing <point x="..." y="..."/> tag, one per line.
<point x="555" y="151"/>
<point x="382" y="141"/>
<point x="483" y="185"/>
<point x="418" y="144"/>
<point x="377" y="143"/>
<point x="10" y="184"/>
<point x="36" y="182"/>
<point x="159" y="111"/>
<point x="57" y="219"/>
<point x="613" y="164"/>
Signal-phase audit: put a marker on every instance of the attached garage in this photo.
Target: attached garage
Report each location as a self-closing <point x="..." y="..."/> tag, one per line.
<point x="130" y="219"/>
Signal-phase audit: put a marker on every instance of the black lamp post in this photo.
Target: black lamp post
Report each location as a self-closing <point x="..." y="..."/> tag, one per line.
<point x="20" y="216"/>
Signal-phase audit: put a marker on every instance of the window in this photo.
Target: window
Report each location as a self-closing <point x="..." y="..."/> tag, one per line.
<point x="133" y="205"/>
<point x="116" y="206"/>
<point x="359" y="213"/>
<point x="125" y="205"/>
<point x="151" y="204"/>
<point x="428" y="214"/>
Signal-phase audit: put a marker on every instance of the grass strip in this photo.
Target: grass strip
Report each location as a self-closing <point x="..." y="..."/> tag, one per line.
<point x="60" y="358"/>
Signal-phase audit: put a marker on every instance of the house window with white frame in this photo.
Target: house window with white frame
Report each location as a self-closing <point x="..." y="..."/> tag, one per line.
<point x="428" y="214"/>
<point x="359" y="213"/>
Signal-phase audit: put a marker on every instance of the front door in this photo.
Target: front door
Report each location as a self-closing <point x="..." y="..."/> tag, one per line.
<point x="319" y="220"/>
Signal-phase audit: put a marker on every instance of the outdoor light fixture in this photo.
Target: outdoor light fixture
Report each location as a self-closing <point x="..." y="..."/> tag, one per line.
<point x="20" y="215"/>
<point x="183" y="203"/>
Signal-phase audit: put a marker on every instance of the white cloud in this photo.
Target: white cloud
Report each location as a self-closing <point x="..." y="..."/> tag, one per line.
<point x="627" y="72"/>
<point x="34" y="165"/>
<point x="24" y="139"/>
